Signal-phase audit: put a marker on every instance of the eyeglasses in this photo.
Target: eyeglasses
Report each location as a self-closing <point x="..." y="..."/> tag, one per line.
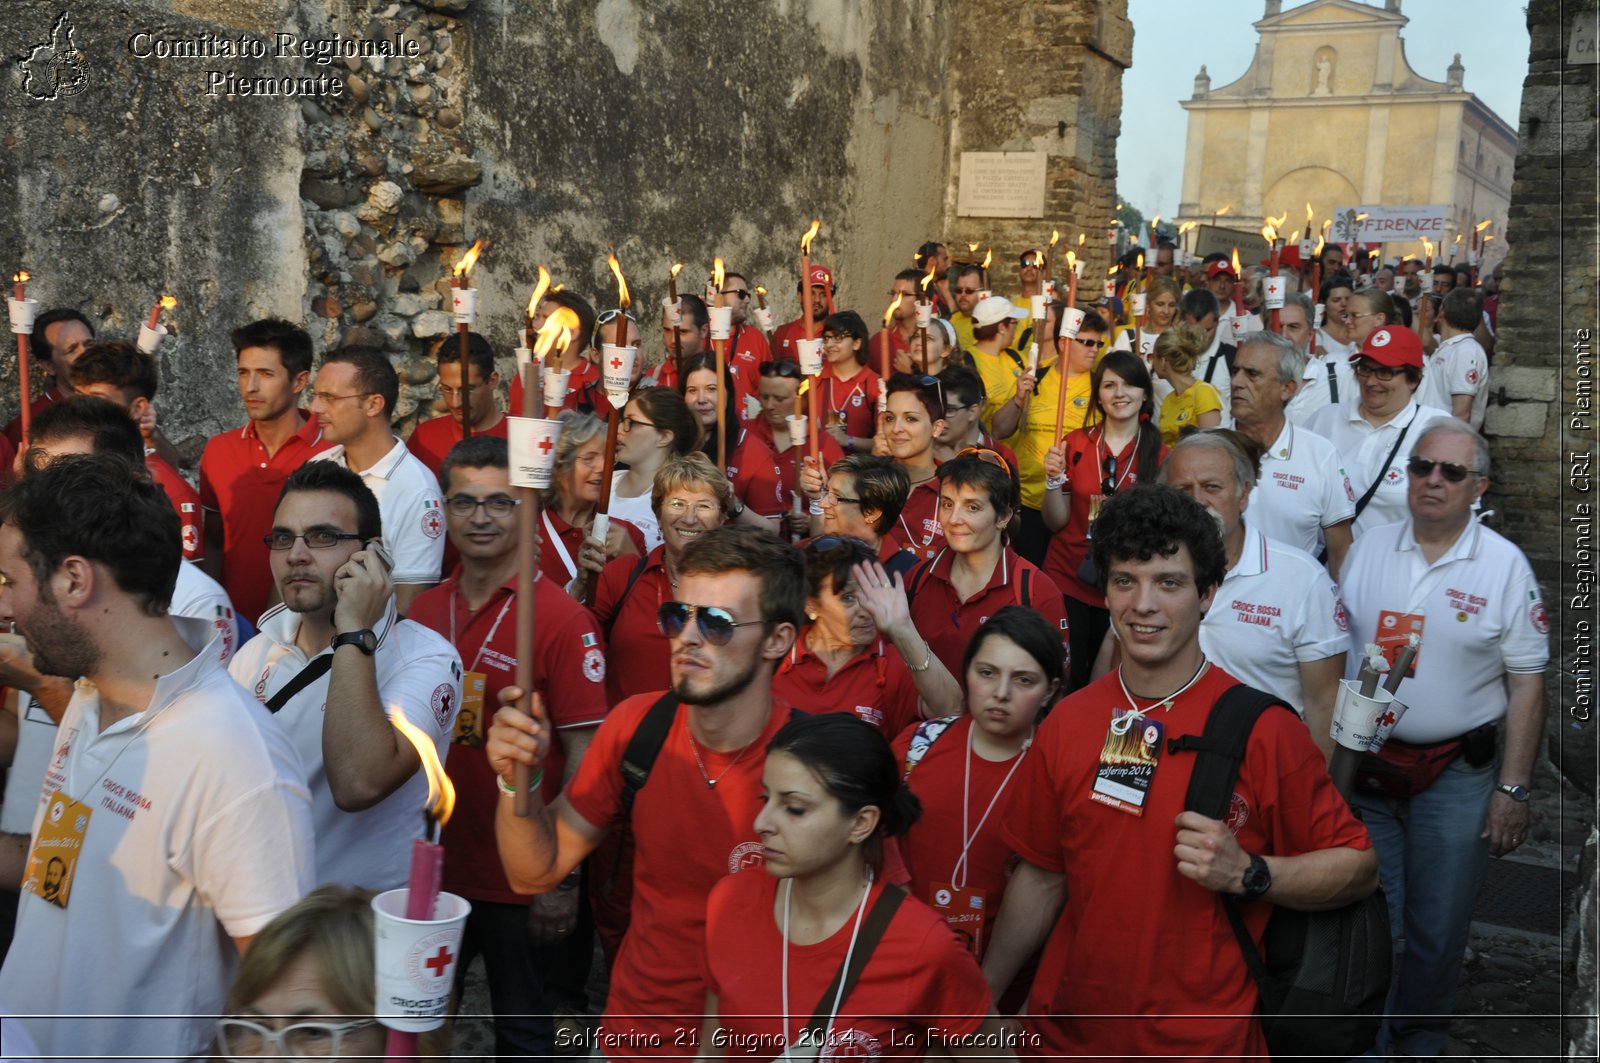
<point x="716" y="624"/>
<point x="903" y="294"/>
<point x="1093" y="345"/>
<point x="630" y="423"/>
<point x="316" y="539"/>
<point x="447" y="392"/>
<point x="497" y="505"/>
<point x="787" y="369"/>
<point x="702" y="510"/>
<point x="984" y="454"/>
<point x="743" y="293"/>
<point x="837" y="337"/>
<point x="245" y="1041"/>
<point x="608" y="316"/>
<point x="328" y="396"/>
<point x="968" y="291"/>
<point x="1422" y="468"/>
<point x="829" y="494"/>
<point x="1373" y="369"/>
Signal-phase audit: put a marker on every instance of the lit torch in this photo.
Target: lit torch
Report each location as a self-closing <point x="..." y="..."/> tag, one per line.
<point x="883" y="351"/>
<point x="464" y="299"/>
<point x="166" y="302"/>
<point x="813" y="403"/>
<point x="718" y="274"/>
<point x="22" y="313"/>
<point x="925" y="312"/>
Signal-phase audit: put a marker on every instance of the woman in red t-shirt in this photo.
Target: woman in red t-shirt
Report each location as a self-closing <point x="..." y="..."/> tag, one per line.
<point x="849" y="388"/>
<point x="752" y="466"/>
<point x="567" y="513"/>
<point x="1118" y="448"/>
<point x="774" y="942"/>
<point x="915" y="417"/>
<point x="960" y="768"/>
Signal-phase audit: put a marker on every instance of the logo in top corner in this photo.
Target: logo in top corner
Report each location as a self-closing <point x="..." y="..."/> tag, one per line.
<point x="1537" y="617"/>
<point x="443" y="704"/>
<point x="54" y="69"/>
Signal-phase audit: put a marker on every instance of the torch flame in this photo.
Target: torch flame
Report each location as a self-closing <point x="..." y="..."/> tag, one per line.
<point x="1318" y="251"/>
<point x="717" y="274"/>
<point x="1457" y="241"/>
<point x="928" y="279"/>
<point x="441" y="792"/>
<point x="1362" y="217"/>
<point x="1081" y="239"/>
<point x="676" y="268"/>
<point x="988" y="256"/>
<point x="1277" y="223"/>
<point x="1311" y="216"/>
<point x="1482" y="225"/>
<point x="804" y="386"/>
<point x="1155" y="226"/>
<point x="1236" y="272"/>
<point x="760" y="290"/>
<point x="972" y="248"/>
<point x="1269" y="234"/>
<point x="1072" y="261"/>
<point x="1224" y="210"/>
<point x="624" y="300"/>
<point x="168" y="302"/>
<point x="538" y="291"/>
<point x="1427" y="246"/>
<point x="1112" y="272"/>
<point x="888" y="315"/>
<point x="1139" y="262"/>
<point x="1295" y="238"/>
<point x="555" y="332"/>
<point x="1486" y="238"/>
<point x="22" y="276"/>
<point x="1054" y="236"/>
<point x="811" y="234"/>
<point x="467" y="260"/>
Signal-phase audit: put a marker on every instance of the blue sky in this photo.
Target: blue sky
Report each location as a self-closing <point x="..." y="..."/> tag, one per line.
<point x="1172" y="38"/>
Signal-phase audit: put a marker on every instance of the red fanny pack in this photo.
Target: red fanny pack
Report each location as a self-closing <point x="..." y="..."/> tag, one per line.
<point x="1403" y="770"/>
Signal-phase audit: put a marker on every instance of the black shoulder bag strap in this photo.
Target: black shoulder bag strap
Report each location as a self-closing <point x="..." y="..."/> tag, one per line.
<point x="1221" y="749"/>
<point x="872" y="931"/>
<point x="1211" y="367"/>
<point x="1372" y="488"/>
<point x="638" y="758"/>
<point x="1333" y="381"/>
<point x="305" y="677"/>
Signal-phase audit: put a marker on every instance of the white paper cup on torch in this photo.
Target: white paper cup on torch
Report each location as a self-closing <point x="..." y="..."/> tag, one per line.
<point x="556" y="383"/>
<point x="797" y="426"/>
<point x="1077" y="269"/>
<point x="1110" y="290"/>
<point x="600" y="528"/>
<point x="672" y="313"/>
<point x="810" y="355"/>
<point x="924" y="313"/>
<point x="1272" y="289"/>
<point x="1049" y="291"/>
<point x="721" y="321"/>
<point x="985" y="294"/>
<point x="1322" y="309"/>
<point x="416" y="960"/>
<point x="1036" y="304"/>
<point x="531" y="442"/>
<point x="1033" y="359"/>
<point x="1139" y="302"/>
<point x="763" y="316"/>
<point x="22" y="312"/>
<point x="464" y="304"/>
<point x="150" y="338"/>
<point x="1071" y="322"/>
<point x="616" y="372"/>
<point x="1307" y="249"/>
<point x="1362" y="723"/>
<point x="524" y="356"/>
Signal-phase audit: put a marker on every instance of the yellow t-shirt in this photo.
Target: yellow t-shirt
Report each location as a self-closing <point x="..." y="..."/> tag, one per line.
<point x="1181" y="409"/>
<point x="962" y="323"/>
<point x="1036" y="431"/>
<point x="999" y="373"/>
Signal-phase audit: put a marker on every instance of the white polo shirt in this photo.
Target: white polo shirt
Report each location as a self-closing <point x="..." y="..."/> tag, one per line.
<point x="1303" y="489"/>
<point x="1322" y="377"/>
<point x="1365" y="450"/>
<point x="196" y="596"/>
<point x="199" y="831"/>
<point x="412" y="510"/>
<point x="419" y="674"/>
<point x="1482" y="616"/>
<point x="1329" y="347"/>
<point x="1458" y="366"/>
<point x="1276" y="609"/>
<point x="1221" y="378"/>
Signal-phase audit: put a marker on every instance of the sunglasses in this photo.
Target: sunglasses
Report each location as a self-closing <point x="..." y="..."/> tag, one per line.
<point x="968" y="291"/>
<point x="1029" y="263"/>
<point x="743" y="293"/>
<point x="608" y="316"/>
<point x="1422" y="468"/>
<point x="1108" y="486"/>
<point x="717" y="625"/>
<point x="786" y="369"/>
<point x="984" y="454"/>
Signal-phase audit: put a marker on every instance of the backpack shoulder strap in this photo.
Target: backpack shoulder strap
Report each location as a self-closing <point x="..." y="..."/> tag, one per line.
<point x="919" y="576"/>
<point x="633" y="577"/>
<point x="923" y="738"/>
<point x="1025" y="590"/>
<point x="1221" y="748"/>
<point x="643" y="748"/>
<point x="844" y="980"/>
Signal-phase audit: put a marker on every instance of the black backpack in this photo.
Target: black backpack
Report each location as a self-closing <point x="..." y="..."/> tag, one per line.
<point x="1323" y="976"/>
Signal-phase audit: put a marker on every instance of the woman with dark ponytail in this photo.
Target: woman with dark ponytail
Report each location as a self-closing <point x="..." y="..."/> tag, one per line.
<point x="1118" y="447"/>
<point x="779" y="945"/>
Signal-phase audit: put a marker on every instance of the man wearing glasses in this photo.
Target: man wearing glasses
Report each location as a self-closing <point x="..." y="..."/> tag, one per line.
<point x="475" y="608"/>
<point x="736" y="609"/>
<point x="432" y="439"/>
<point x="334" y="662"/>
<point x="905" y="350"/>
<point x="1442" y="799"/>
<point x="966" y="287"/>
<point x="747" y="345"/>
<point x="1370" y="429"/>
<point x="353" y="402"/>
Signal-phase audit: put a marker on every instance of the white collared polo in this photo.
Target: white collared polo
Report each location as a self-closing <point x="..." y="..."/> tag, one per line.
<point x="199" y="831"/>
<point x="1303" y="489"/>
<point x="1482" y="617"/>
<point x="1275" y="610"/>
<point x="1323" y="376"/>
<point x="1458" y="366"/>
<point x="411" y="508"/>
<point x="1370" y="454"/>
<point x="419" y="675"/>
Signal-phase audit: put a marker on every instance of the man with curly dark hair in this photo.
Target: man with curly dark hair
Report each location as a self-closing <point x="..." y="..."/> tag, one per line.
<point x="1118" y="882"/>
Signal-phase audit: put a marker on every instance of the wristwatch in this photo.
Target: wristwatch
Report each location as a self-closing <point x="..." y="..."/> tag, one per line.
<point x="1514" y="791"/>
<point x="363" y="640"/>
<point x="1257" y="879"/>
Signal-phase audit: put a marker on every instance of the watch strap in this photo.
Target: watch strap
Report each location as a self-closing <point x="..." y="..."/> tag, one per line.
<point x="365" y="640"/>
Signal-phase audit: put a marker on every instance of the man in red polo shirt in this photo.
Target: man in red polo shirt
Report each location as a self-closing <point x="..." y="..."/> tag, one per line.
<point x="432" y="439"/>
<point x="748" y="350"/>
<point x="822" y="289"/>
<point x="121" y="373"/>
<point x="242" y="471"/>
<point x="59" y="336"/>
<point x="475" y="608"/>
<point x="902" y="330"/>
<point x="684" y="340"/>
<point x="573" y="355"/>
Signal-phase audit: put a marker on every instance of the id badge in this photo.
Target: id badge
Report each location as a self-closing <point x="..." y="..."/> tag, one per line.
<point x="469" y="721"/>
<point x="55" y="854"/>
<point x="1128" y="765"/>
<point x="963" y="910"/>
<point x="1394" y="634"/>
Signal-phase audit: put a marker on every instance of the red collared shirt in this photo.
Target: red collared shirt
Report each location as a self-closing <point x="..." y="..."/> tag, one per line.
<point x="852" y="403"/>
<point x="569" y="667"/>
<point x="185" y="503"/>
<point x="13" y="431"/>
<point x="918" y="529"/>
<point x="431" y="441"/>
<point x="948" y="623"/>
<point x="560" y="569"/>
<point x="241" y="482"/>
<point x="627" y="614"/>
<point x="875" y="684"/>
<point x="584" y="374"/>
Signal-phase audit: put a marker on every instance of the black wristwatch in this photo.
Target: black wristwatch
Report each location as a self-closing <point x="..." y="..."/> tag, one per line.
<point x="363" y="640"/>
<point x="1514" y="791"/>
<point x="1257" y="879"/>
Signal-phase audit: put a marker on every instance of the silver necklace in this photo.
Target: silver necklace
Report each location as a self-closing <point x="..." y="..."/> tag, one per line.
<point x="711" y="784"/>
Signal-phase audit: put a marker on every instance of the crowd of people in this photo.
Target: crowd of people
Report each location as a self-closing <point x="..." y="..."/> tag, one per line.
<point x="866" y="745"/>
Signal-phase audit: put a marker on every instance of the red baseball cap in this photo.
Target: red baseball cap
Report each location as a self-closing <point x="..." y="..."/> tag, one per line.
<point x="1394" y="346"/>
<point x="821" y="274"/>
<point x="1218" y="268"/>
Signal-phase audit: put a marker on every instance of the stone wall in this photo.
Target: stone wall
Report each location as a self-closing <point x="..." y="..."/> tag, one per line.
<point x="674" y="132"/>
